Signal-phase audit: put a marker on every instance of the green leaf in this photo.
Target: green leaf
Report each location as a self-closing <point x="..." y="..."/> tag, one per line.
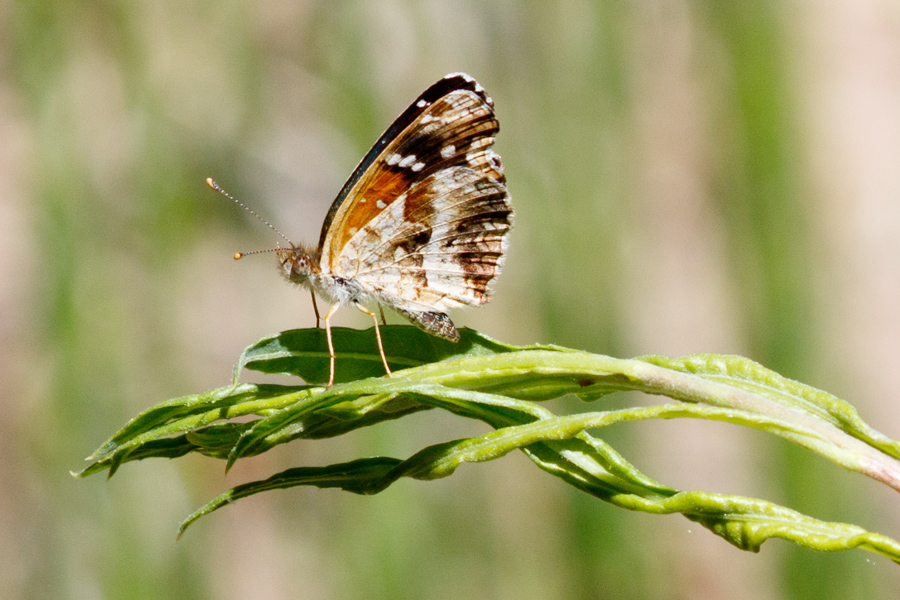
<point x="743" y="373"/>
<point x="560" y="446"/>
<point x="500" y="385"/>
<point x="304" y="352"/>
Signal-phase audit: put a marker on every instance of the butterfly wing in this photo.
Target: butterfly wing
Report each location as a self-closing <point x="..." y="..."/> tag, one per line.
<point x="450" y="124"/>
<point x="422" y="223"/>
<point x="438" y="246"/>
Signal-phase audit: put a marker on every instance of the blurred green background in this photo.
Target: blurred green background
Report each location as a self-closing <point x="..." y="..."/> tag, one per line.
<point x="689" y="176"/>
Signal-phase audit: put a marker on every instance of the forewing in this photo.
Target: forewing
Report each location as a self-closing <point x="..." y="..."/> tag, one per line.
<point x="451" y="124"/>
<point x="437" y="246"/>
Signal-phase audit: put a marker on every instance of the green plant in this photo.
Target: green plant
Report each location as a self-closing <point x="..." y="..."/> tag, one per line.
<point x="501" y="385"/>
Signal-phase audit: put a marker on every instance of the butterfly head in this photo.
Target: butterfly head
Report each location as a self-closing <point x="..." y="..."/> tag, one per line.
<point x="297" y="263"/>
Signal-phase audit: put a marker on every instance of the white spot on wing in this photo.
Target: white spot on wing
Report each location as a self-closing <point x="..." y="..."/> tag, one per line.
<point x="422" y="103"/>
<point x="406" y="161"/>
<point x="380" y="203"/>
<point x="418" y="166"/>
<point x="448" y="151"/>
<point x="393" y="159"/>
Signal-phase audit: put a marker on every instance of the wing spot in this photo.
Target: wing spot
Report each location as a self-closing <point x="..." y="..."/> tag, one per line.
<point x="448" y="151"/>
<point x="353" y="230"/>
<point x="380" y="203"/>
<point x="422" y="103"/>
<point x="406" y="161"/>
<point x="418" y="166"/>
<point x="393" y="159"/>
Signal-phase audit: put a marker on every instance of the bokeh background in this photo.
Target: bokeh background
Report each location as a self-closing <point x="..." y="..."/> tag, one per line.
<point x="688" y="175"/>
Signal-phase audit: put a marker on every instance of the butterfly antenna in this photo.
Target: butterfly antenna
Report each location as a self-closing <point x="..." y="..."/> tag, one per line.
<point x="240" y="255"/>
<point x="212" y="183"/>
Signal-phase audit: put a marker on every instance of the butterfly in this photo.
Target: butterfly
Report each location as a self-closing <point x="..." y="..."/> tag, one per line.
<point x="421" y="226"/>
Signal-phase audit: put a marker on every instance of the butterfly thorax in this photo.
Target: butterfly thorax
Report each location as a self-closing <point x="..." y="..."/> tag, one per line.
<point x="301" y="265"/>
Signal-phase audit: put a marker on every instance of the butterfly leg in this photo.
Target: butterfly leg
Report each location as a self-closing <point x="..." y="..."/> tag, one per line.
<point x="331" y="311"/>
<point x="377" y="335"/>
<point x="381" y="312"/>
<point x="315" y="308"/>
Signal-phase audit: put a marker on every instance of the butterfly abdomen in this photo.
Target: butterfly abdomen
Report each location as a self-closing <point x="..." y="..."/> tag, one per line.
<point x="435" y="323"/>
